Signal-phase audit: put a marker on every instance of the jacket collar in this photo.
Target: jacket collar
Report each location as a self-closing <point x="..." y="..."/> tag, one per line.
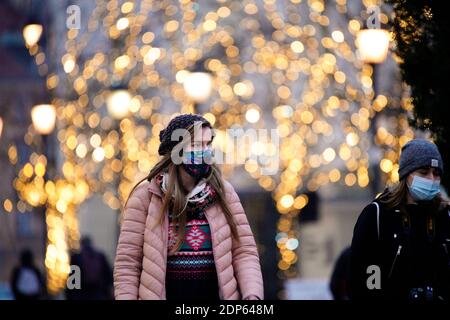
<point x="154" y="188"/>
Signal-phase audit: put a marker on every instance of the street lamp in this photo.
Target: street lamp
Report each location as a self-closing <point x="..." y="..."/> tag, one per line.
<point x="118" y="103"/>
<point x="32" y="33"/>
<point x="44" y="118"/>
<point x="1" y="126"/>
<point x="198" y="86"/>
<point x="373" y="46"/>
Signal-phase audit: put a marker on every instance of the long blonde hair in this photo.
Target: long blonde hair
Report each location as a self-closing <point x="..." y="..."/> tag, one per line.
<point x="178" y="200"/>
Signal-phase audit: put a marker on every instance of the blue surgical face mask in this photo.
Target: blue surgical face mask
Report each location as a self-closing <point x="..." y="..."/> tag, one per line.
<point x="422" y="189"/>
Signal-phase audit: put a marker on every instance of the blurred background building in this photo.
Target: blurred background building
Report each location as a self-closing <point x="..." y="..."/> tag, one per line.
<point x="20" y="87"/>
<point x="112" y="73"/>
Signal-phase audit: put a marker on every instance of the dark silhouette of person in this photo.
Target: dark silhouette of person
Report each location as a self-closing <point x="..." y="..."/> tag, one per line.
<point x="27" y="282"/>
<point x="96" y="274"/>
<point x="340" y="279"/>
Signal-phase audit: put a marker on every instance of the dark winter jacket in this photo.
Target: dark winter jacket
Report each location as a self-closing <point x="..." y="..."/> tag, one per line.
<point x="411" y="247"/>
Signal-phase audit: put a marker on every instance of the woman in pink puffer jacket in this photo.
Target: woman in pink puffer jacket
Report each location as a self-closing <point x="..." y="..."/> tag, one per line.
<point x="184" y="233"/>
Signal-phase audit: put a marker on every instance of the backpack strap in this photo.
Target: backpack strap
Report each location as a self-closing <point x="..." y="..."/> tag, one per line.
<point x="378" y="218"/>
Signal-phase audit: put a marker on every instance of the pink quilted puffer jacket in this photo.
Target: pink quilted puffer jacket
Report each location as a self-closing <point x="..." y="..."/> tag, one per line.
<point x="141" y="258"/>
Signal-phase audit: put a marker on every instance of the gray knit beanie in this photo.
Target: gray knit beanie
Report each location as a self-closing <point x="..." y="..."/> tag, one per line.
<point x="419" y="153"/>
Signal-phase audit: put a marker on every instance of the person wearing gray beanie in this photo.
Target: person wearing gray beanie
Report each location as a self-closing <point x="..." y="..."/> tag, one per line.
<point x="405" y="233"/>
<point x="421" y="167"/>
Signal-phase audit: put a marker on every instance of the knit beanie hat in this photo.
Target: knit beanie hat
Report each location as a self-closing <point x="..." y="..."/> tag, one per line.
<point x="183" y="121"/>
<point x="419" y="153"/>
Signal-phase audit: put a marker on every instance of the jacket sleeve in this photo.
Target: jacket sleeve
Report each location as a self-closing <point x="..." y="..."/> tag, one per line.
<point x="246" y="263"/>
<point x="129" y="254"/>
<point x="365" y="252"/>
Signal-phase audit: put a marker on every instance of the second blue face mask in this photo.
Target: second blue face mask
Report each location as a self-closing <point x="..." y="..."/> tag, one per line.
<point x="198" y="163"/>
<point x="422" y="189"/>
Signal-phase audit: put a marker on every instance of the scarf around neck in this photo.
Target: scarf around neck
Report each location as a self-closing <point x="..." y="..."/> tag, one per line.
<point x="198" y="199"/>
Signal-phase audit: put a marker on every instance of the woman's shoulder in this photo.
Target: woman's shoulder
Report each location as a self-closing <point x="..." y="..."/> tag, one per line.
<point x="227" y="185"/>
<point x="369" y="211"/>
<point x="374" y="212"/>
<point x="230" y="192"/>
<point x="144" y="191"/>
<point x="139" y="194"/>
<point x="153" y="186"/>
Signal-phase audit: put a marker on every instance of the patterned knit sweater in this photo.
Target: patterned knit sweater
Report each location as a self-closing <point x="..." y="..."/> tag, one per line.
<point x="191" y="272"/>
<point x="194" y="260"/>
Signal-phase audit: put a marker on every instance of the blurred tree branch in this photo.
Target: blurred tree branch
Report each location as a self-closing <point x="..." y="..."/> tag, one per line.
<point x="421" y="29"/>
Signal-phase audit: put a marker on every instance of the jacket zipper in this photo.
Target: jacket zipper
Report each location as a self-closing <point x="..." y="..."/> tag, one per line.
<point x="395" y="259"/>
